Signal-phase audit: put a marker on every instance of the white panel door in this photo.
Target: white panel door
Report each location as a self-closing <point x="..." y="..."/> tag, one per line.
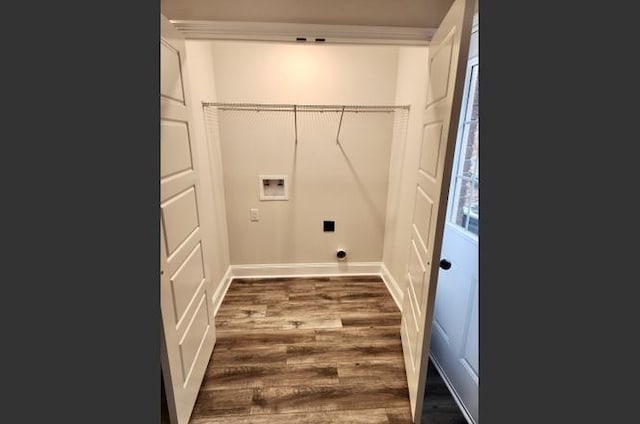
<point x="188" y="332"/>
<point x="454" y="337"/>
<point x="439" y="120"/>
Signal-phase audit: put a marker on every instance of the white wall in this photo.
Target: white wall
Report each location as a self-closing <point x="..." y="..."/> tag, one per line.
<point x="264" y="72"/>
<point x="202" y="87"/>
<point x="411" y="88"/>
<point x="346" y="183"/>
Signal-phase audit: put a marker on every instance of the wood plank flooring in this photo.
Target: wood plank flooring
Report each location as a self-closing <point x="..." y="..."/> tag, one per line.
<point x="439" y="407"/>
<point x="306" y="350"/>
<point x="312" y="350"/>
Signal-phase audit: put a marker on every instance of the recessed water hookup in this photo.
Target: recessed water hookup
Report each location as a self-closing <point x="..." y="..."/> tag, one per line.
<point x="273" y="187"/>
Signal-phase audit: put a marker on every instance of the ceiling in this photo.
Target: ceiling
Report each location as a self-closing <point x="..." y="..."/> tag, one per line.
<point x="395" y="13"/>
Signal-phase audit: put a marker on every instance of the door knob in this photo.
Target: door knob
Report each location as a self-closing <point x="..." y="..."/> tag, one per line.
<point x="445" y="264"/>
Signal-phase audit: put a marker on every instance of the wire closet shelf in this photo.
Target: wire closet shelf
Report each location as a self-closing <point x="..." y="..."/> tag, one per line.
<point x="302" y="108"/>
<point x="275" y="107"/>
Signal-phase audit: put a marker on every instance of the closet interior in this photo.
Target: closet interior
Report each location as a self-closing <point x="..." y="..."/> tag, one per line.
<point x="302" y="160"/>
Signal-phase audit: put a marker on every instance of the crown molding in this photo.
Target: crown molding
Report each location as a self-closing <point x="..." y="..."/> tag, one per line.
<point x="287" y="32"/>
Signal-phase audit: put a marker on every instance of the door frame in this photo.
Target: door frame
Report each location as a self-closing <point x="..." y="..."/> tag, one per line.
<point x="179" y="384"/>
<point x="471" y="62"/>
<point x="416" y="328"/>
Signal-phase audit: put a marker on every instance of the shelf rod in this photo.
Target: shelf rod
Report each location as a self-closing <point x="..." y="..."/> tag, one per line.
<point x="305" y="108"/>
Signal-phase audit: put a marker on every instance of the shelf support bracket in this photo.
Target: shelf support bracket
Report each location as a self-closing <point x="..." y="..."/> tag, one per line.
<point x="340" y="126"/>
<point x="295" y="121"/>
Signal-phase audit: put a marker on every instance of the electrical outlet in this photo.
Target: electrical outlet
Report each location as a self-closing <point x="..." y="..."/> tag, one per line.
<point x="255" y="214"/>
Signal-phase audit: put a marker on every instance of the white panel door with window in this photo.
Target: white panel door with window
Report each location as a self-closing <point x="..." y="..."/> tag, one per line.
<point x="188" y="332"/>
<point x="448" y="54"/>
<point x="454" y="338"/>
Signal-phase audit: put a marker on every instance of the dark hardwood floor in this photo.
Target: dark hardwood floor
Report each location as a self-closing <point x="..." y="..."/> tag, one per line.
<point x="311" y="350"/>
<point x="439" y="406"/>
<point x="164" y="409"/>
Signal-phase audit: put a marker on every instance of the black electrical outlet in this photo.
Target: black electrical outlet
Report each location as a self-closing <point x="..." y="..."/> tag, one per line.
<point x="329" y="226"/>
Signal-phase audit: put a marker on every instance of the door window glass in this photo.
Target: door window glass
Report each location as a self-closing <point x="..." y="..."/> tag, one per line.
<point x="465" y="210"/>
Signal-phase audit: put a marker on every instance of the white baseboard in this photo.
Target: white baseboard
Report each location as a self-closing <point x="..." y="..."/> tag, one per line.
<point x="221" y="290"/>
<point x="309" y="270"/>
<point x="392" y="286"/>
<point x="305" y="269"/>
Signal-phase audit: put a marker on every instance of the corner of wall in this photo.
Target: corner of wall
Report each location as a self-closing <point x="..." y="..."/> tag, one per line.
<point x="392" y="285"/>
<point x="221" y="290"/>
<point x="202" y="88"/>
<point x="411" y="83"/>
